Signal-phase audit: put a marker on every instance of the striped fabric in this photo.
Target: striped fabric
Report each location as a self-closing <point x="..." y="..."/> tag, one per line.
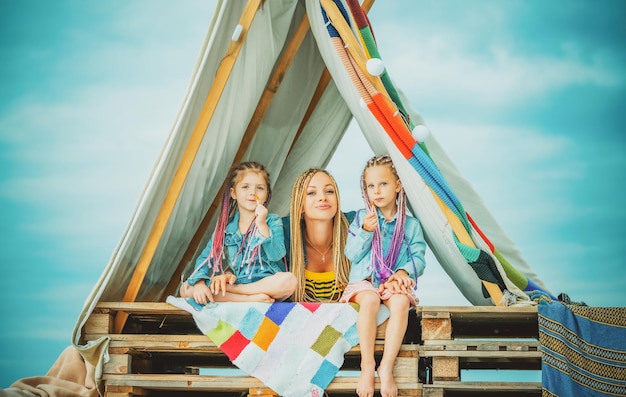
<point x="381" y="98"/>
<point x="320" y="287"/>
<point x="583" y="350"/>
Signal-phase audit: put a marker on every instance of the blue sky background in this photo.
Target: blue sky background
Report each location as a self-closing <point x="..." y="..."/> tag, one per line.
<point x="527" y="97"/>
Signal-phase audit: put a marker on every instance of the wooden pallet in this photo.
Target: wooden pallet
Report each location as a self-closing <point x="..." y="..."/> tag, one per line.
<point x="477" y="338"/>
<point x="161" y="352"/>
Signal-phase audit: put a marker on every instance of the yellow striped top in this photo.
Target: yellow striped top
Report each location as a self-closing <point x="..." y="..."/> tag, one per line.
<point x="320" y="287"/>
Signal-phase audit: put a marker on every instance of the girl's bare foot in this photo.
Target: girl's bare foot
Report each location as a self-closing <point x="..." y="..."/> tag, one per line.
<point x="186" y="290"/>
<point x="365" y="387"/>
<point x="388" y="387"/>
<point x="261" y="298"/>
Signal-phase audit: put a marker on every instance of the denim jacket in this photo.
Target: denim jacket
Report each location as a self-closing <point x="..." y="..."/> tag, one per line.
<point x="359" y="246"/>
<point x="272" y="253"/>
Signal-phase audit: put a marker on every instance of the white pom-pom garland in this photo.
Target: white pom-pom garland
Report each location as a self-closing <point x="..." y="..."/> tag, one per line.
<point x="237" y="33"/>
<point x="375" y="66"/>
<point x="420" y="133"/>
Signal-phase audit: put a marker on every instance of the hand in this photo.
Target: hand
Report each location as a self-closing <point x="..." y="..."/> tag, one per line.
<point x="261" y="215"/>
<point x="400" y="281"/>
<point x="218" y="283"/>
<point x="370" y="221"/>
<point x="201" y="293"/>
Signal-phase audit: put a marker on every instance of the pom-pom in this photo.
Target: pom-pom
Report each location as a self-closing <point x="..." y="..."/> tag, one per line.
<point x="236" y="33"/>
<point x="375" y="66"/>
<point x="420" y="133"/>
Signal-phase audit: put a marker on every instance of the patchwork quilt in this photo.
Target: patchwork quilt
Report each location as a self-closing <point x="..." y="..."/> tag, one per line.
<point x="583" y="350"/>
<point x="296" y="349"/>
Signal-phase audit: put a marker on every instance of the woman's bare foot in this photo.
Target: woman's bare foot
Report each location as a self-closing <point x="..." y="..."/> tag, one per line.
<point x="388" y="387"/>
<point x="365" y="387"/>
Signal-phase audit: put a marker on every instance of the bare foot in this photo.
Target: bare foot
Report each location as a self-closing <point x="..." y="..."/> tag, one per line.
<point x="186" y="290"/>
<point x="247" y="298"/>
<point x="388" y="387"/>
<point x="261" y="298"/>
<point x="365" y="387"/>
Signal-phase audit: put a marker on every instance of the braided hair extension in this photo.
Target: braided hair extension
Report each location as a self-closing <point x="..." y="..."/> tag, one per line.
<point x="227" y="212"/>
<point x="341" y="264"/>
<point x="384" y="266"/>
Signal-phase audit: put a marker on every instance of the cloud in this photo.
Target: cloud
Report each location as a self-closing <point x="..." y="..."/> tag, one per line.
<point x="490" y="66"/>
<point x="86" y="165"/>
<point x="500" y="80"/>
<point x="510" y="167"/>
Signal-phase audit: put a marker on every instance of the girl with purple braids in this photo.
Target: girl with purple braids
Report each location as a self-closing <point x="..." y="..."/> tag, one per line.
<point x="386" y="247"/>
<point x="244" y="260"/>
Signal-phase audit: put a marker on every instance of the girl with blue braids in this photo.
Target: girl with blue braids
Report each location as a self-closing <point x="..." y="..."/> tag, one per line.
<point x="386" y="247"/>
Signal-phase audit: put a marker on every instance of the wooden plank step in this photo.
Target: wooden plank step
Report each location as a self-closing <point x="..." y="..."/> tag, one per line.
<point x="449" y="322"/>
<point x="481" y="349"/>
<point x="482" y="345"/>
<point x="475" y="312"/>
<point x="233" y="383"/>
<point x="482" y="354"/>
<point x="149" y="318"/>
<point x="485" y="386"/>
<point x="202" y="344"/>
<point x="139" y="307"/>
<point x="484" y="312"/>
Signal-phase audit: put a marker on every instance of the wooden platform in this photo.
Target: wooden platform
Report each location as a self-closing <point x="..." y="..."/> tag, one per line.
<point x="162" y="353"/>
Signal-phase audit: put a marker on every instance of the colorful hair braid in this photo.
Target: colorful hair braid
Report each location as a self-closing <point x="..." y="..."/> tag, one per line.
<point x="384" y="266"/>
<point x="227" y="212"/>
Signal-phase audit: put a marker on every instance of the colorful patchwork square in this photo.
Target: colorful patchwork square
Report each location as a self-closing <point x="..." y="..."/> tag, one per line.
<point x="221" y="332"/>
<point x="325" y="374"/>
<point x="326" y="340"/>
<point x="250" y="322"/>
<point x="278" y="311"/>
<point x="351" y="335"/>
<point x="312" y="306"/>
<point x="234" y="345"/>
<point x="266" y="333"/>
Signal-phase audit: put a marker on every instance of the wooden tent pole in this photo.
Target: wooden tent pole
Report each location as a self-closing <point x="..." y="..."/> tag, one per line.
<point x="257" y="117"/>
<point x="178" y="181"/>
<point x="267" y="96"/>
<point x="272" y="86"/>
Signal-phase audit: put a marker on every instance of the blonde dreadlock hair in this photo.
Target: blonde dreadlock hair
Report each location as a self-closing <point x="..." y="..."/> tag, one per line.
<point x="341" y="264"/>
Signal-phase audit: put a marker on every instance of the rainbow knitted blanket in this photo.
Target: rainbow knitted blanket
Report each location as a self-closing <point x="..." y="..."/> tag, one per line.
<point x="296" y="349"/>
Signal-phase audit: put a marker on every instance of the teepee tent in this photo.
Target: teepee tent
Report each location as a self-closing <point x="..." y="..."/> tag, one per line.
<point x="279" y="82"/>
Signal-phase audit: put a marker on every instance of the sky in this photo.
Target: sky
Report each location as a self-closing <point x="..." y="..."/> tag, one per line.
<point x="527" y="98"/>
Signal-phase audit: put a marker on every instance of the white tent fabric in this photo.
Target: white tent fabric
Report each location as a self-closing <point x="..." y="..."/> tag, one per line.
<point x="273" y="145"/>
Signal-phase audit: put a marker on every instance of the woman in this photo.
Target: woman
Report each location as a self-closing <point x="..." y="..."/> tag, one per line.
<point x="318" y="232"/>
